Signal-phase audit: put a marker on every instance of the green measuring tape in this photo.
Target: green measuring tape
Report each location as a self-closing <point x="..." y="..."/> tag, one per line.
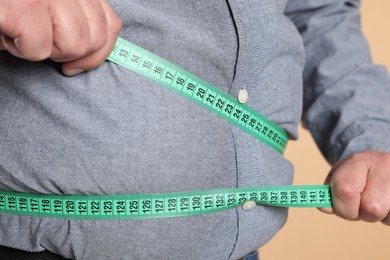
<point x="165" y="73"/>
<point x="141" y="206"/>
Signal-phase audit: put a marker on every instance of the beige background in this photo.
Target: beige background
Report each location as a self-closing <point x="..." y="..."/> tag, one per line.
<point x="310" y="234"/>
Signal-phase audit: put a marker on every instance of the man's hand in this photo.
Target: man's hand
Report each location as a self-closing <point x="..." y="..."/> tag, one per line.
<point x="79" y="33"/>
<point x="361" y="187"/>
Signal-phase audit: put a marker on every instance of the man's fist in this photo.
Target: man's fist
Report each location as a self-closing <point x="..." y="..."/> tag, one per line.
<point x="78" y="33"/>
<point x="361" y="187"/>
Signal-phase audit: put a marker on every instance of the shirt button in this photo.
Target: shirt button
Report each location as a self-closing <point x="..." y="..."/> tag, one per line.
<point x="242" y="96"/>
<point x="249" y="205"/>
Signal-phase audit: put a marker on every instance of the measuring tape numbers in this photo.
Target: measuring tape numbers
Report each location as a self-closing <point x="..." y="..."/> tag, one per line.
<point x="143" y="206"/>
<point x="163" y="72"/>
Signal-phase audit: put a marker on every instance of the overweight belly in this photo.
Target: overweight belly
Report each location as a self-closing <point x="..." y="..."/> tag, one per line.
<point x="117" y="134"/>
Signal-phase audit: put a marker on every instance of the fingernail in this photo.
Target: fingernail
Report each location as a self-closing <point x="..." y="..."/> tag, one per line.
<point x="72" y="72"/>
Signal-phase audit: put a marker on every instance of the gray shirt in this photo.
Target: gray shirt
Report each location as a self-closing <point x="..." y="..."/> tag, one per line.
<point x="109" y="131"/>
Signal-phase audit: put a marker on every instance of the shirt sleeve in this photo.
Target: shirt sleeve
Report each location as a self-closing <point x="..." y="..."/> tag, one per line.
<point x="346" y="96"/>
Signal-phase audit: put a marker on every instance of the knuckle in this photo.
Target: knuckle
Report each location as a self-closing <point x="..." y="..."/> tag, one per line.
<point x="116" y="25"/>
<point x="100" y="41"/>
<point x="344" y="190"/>
<point x="373" y="210"/>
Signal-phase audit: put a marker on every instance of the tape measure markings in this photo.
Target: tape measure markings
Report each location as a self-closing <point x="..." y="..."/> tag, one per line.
<point x="165" y="73"/>
<point x="142" y="206"/>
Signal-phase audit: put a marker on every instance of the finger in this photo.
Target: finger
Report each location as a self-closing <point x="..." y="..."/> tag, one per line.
<point x="347" y="184"/>
<point x="2" y="48"/>
<point x="5" y="22"/>
<point x="97" y="18"/>
<point x="92" y="61"/>
<point x="375" y="204"/>
<point x="71" y="36"/>
<point x="326" y="210"/>
<point x="28" y="34"/>
<point x="386" y="220"/>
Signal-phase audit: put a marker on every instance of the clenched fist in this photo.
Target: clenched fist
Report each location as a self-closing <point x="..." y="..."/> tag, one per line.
<point x="78" y="33"/>
<point x="361" y="187"/>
